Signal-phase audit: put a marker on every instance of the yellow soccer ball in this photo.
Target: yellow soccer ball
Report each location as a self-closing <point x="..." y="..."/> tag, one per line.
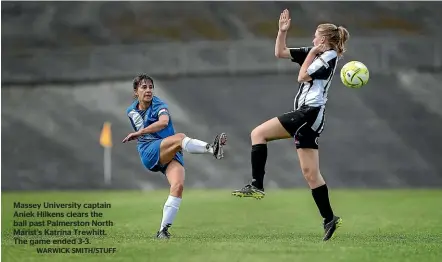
<point x="354" y="74"/>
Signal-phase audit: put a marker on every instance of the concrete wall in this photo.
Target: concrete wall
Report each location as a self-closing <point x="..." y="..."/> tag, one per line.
<point x="383" y="135"/>
<point x="67" y="68"/>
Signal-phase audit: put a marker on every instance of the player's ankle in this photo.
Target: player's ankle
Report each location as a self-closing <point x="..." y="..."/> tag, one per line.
<point x="209" y="148"/>
<point x="258" y="184"/>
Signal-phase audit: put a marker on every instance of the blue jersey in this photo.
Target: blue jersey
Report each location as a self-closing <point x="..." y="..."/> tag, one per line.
<point x="143" y="118"/>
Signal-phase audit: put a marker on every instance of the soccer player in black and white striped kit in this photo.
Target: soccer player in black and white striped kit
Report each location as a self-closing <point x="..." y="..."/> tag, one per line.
<point x="306" y="122"/>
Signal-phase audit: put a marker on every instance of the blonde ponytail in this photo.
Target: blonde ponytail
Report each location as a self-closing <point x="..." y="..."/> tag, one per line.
<point x="343" y="38"/>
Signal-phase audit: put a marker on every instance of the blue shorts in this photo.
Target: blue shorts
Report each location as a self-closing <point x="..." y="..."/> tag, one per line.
<point x="150" y="156"/>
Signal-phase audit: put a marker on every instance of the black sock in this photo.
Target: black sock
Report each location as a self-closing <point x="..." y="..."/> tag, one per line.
<point x="320" y="195"/>
<point x="259" y="157"/>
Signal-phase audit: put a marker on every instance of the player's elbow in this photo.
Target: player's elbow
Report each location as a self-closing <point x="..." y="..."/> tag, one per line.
<point x="277" y="54"/>
<point x="282" y="53"/>
<point x="303" y="77"/>
<point x="165" y="123"/>
<point x="300" y="79"/>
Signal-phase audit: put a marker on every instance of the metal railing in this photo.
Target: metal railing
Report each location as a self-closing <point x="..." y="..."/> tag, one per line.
<point x="381" y="55"/>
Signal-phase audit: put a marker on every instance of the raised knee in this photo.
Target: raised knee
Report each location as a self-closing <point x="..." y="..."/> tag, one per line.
<point x="177" y="188"/>
<point x="256" y="135"/>
<point x="181" y="136"/>
<point x="178" y="139"/>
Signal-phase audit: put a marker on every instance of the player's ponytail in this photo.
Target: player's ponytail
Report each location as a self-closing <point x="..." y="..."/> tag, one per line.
<point x="344" y="35"/>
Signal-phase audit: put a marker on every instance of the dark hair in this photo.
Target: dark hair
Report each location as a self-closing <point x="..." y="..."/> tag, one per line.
<point x="140" y="78"/>
<point x="137" y="81"/>
<point x="337" y="36"/>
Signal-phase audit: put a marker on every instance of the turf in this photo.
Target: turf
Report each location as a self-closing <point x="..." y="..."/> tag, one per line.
<point x="401" y="225"/>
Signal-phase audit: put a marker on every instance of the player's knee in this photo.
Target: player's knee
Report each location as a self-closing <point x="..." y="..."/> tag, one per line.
<point x="176" y="189"/>
<point x="310" y="174"/>
<point x="180" y="136"/>
<point x="257" y="135"/>
<point x="178" y="139"/>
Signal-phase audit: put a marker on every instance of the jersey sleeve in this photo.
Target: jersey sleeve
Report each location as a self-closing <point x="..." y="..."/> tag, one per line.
<point x="161" y="109"/>
<point x="135" y="120"/>
<point x="299" y="54"/>
<point x="322" y="67"/>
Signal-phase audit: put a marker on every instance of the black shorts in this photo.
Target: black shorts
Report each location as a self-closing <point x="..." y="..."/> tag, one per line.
<point x="305" y="125"/>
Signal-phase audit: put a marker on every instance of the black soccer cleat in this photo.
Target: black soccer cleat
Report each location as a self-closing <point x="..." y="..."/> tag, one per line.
<point x="249" y="191"/>
<point x="218" y="143"/>
<point x="164" y="233"/>
<point x="330" y="228"/>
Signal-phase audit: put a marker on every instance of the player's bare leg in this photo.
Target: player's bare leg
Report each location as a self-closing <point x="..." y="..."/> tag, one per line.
<point x="169" y="147"/>
<point x="268" y="131"/>
<point x="309" y="161"/>
<point x="175" y="174"/>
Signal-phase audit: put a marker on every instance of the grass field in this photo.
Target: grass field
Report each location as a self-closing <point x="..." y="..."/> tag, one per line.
<point x="402" y="225"/>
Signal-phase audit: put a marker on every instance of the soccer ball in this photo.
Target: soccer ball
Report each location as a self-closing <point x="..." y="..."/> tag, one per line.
<point x="354" y="74"/>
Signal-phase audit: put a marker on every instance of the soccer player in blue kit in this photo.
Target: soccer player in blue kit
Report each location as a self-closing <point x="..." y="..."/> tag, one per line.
<point x="160" y="148"/>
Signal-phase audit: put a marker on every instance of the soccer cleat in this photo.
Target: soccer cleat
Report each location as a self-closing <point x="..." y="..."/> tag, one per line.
<point x="164" y="233"/>
<point x="249" y="191"/>
<point x="218" y="143"/>
<point x="330" y="228"/>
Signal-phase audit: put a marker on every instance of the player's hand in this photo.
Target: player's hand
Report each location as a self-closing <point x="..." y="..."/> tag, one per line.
<point x="284" y="21"/>
<point x="319" y="49"/>
<point x="131" y="136"/>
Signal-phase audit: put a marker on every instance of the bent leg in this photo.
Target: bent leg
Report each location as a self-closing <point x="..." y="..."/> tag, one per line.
<point x="175" y="175"/>
<point x="268" y="131"/>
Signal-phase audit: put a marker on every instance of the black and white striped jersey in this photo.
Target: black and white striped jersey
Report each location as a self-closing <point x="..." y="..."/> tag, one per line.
<point x="315" y="92"/>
